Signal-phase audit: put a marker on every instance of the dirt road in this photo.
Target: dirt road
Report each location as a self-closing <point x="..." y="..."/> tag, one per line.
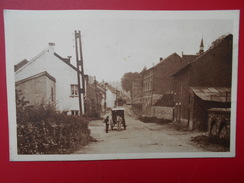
<point x="139" y="137"/>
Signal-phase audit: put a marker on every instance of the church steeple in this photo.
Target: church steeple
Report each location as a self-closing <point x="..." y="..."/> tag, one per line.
<point x="201" y="51"/>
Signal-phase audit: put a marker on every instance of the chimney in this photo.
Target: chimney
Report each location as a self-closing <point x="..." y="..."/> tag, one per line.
<point x="68" y="59"/>
<point x="51" y="47"/>
<point x="160" y="59"/>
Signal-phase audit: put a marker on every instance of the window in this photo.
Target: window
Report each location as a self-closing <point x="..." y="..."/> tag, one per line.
<point x="75" y="112"/>
<point x="74" y="90"/>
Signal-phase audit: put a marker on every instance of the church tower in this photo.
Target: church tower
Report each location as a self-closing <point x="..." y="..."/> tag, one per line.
<point x="201" y="51"/>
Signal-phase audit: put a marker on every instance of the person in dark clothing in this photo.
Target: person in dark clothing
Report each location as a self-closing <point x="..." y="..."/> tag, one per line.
<point x="106" y="121"/>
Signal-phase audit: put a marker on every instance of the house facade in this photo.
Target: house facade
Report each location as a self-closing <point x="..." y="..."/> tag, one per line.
<point x="210" y="71"/>
<point x="95" y="99"/>
<point x="110" y="96"/>
<point x="203" y="99"/>
<point x="62" y="71"/>
<point x="157" y="81"/>
<point x="44" y="90"/>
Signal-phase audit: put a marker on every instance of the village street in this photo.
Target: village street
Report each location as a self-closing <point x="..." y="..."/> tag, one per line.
<point x="139" y="137"/>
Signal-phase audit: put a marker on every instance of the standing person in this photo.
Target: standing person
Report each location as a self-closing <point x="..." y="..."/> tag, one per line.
<point x="111" y="122"/>
<point x="106" y="121"/>
<point x="119" y="121"/>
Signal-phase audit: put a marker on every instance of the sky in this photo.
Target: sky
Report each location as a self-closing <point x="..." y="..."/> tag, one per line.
<point x="113" y="42"/>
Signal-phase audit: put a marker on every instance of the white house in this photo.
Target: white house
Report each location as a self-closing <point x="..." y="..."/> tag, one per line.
<point x="110" y="96"/>
<point x="49" y="77"/>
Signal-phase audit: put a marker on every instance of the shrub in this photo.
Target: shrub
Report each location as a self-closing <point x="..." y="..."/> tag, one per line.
<point x="42" y="130"/>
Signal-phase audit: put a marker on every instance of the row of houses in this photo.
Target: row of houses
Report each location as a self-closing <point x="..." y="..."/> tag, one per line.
<point x="51" y="79"/>
<point x="186" y="88"/>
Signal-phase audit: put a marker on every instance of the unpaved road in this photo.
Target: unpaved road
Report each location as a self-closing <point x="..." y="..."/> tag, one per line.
<point x="139" y="137"/>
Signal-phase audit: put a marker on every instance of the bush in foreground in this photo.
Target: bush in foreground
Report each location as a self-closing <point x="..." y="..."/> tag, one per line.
<point x="42" y="130"/>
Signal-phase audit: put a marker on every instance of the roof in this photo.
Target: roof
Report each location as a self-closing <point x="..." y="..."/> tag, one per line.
<point x="111" y="88"/>
<point x="20" y="64"/>
<point x="36" y="76"/>
<point x="26" y="63"/>
<point x="97" y="87"/>
<point x="118" y="109"/>
<point x="214" y="44"/>
<point x="166" y="101"/>
<point x="215" y="94"/>
<point x="189" y="58"/>
<point x="227" y="110"/>
<point x="166" y="59"/>
<point x="32" y="60"/>
<point x="66" y="60"/>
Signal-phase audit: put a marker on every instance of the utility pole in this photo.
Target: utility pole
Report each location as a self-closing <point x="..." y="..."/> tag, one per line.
<point x="97" y="107"/>
<point x="116" y="98"/>
<point x="80" y="69"/>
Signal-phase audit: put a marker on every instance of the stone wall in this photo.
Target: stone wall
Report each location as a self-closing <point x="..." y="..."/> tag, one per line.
<point x="148" y="101"/>
<point x="162" y="112"/>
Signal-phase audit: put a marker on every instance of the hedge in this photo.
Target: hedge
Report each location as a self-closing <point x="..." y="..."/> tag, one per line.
<point x="42" y="130"/>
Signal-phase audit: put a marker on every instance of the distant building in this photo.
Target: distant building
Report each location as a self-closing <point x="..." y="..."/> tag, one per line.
<point x="157" y="81"/>
<point x="207" y="76"/>
<point x="50" y="78"/>
<point x="95" y="99"/>
<point x="110" y="95"/>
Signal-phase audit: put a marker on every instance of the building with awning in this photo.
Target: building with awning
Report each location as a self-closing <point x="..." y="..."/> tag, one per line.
<point x="203" y="99"/>
<point x="214" y="94"/>
<point x="203" y="84"/>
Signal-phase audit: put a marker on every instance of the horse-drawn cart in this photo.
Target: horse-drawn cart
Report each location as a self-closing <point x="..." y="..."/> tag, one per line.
<point x="117" y="112"/>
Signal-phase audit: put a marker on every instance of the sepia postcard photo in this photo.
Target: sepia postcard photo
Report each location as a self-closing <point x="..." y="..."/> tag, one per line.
<point x="103" y="84"/>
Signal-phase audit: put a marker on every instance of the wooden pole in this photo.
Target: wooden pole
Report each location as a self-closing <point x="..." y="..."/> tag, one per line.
<point x="81" y="63"/>
<point x="78" y="70"/>
<point x="97" y="108"/>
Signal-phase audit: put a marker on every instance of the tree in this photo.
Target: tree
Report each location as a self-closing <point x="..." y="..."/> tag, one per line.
<point x="218" y="40"/>
<point x="127" y="79"/>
